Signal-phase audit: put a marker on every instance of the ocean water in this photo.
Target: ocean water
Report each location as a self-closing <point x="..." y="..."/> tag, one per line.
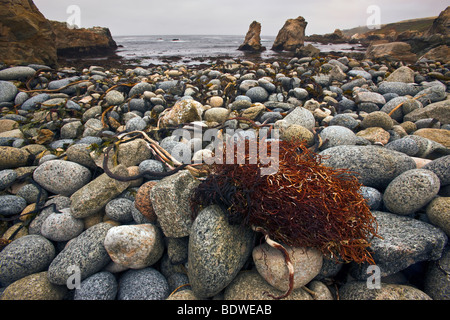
<point x="197" y="49"/>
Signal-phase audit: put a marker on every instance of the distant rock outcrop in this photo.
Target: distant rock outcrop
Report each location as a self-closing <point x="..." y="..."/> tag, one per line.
<point x="441" y="24"/>
<point x="76" y="42"/>
<point x="291" y="36"/>
<point x="252" y="41"/>
<point x="26" y="36"/>
<point x="393" y="51"/>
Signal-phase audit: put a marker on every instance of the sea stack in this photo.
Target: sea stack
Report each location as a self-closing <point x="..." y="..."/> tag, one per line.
<point x="291" y="36"/>
<point x="252" y="41"/>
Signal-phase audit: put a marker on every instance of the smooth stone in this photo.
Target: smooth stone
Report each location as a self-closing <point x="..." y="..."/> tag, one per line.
<point x="80" y="153"/>
<point x="56" y="203"/>
<point x="7" y="178"/>
<point x="271" y="265"/>
<point x="170" y="201"/>
<point x="17" y="73"/>
<point x="114" y="98"/>
<point x="377" y="119"/>
<point x="431" y="94"/>
<point x="216" y="102"/>
<point x="8" y="91"/>
<point x="134" y="246"/>
<point x="84" y="253"/>
<point x="241" y="104"/>
<point x="257" y="94"/>
<point x="437" y="282"/>
<point x="440" y="167"/>
<point x="96" y="194"/>
<point x="33" y="102"/>
<point x="11" y="157"/>
<point x="35" y="286"/>
<point x="402" y="74"/>
<point x="405" y="145"/>
<point x="404" y="241"/>
<point x="184" y="111"/>
<point x="250" y="285"/>
<point x="297" y="133"/>
<point x="354" y="83"/>
<point x="344" y="120"/>
<point x="133" y="153"/>
<point x="61" y="226"/>
<point x="441" y="136"/>
<point x="373" y="197"/>
<point x="24" y="256"/>
<point x="335" y="135"/>
<point x="217" y="114"/>
<point x="410" y="191"/>
<point x="375" y="135"/>
<point x="376" y="167"/>
<point x="438" y="212"/>
<point x="360" y="73"/>
<point x="61" y="177"/>
<point x="372" y="97"/>
<point x="72" y="130"/>
<point x="407" y="106"/>
<point x="428" y="148"/>
<point x="100" y="286"/>
<point x="140" y="88"/>
<point x="135" y="124"/>
<point x="217" y="251"/>
<point x="177" y="249"/>
<point x="143" y="284"/>
<point x="400" y="88"/>
<point x="301" y="116"/>
<point x="120" y="210"/>
<point x="143" y="202"/>
<point x="11" y="205"/>
<point x="358" y="290"/>
<point x="151" y="166"/>
<point x="437" y="110"/>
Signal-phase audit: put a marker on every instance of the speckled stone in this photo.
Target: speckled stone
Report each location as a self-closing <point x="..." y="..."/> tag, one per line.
<point x="120" y="210"/>
<point x="373" y="197"/>
<point x="24" y="256"/>
<point x="96" y="194"/>
<point x="437" y="281"/>
<point x="357" y="290"/>
<point x="62" y="226"/>
<point x="377" y="119"/>
<point x="441" y="167"/>
<point x="11" y="157"/>
<point x="86" y="252"/>
<point x="61" y="177"/>
<point x="337" y="135"/>
<point x="250" y="285"/>
<point x="438" y="212"/>
<point x="404" y="241"/>
<point x="143" y="202"/>
<point x="376" y="166"/>
<point x="375" y="135"/>
<point x="100" y="286"/>
<point x="405" y="145"/>
<point x="302" y="117"/>
<point x="170" y="201"/>
<point x="411" y="191"/>
<point x="134" y="246"/>
<point x="271" y="265"/>
<point x="35" y="286"/>
<point x="7" y="178"/>
<point x="11" y="205"/>
<point x="217" y="251"/>
<point x="143" y="284"/>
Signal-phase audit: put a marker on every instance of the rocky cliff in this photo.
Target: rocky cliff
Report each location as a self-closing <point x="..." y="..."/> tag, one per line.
<point x="26" y="36"/>
<point x="291" y="36"/>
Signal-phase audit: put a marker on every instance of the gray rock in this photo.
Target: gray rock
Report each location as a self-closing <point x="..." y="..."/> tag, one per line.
<point x="437" y="281"/>
<point x="135" y="124"/>
<point x="431" y="95"/>
<point x="61" y="226"/>
<point x="71" y="130"/>
<point x="241" y="104"/>
<point x="96" y="194"/>
<point x="7" y="178"/>
<point x="151" y="165"/>
<point x="410" y="191"/>
<point x="360" y="73"/>
<point x="85" y="253"/>
<point x="257" y="94"/>
<point x="440" y="167"/>
<point x="80" y="153"/>
<point x="170" y="200"/>
<point x="302" y="117"/>
<point x="217" y="251"/>
<point x="219" y="115"/>
<point x="177" y="249"/>
<point x="30" y="193"/>
<point x="400" y="88"/>
<point x="114" y="98"/>
<point x="375" y="166"/>
<point x="437" y="110"/>
<point x="62" y="143"/>
<point x="11" y="205"/>
<point x="34" y="102"/>
<point x="57" y="84"/>
<point x="120" y="210"/>
<point x="271" y="117"/>
<point x="143" y="284"/>
<point x="92" y="127"/>
<point x="24" y="256"/>
<point x="377" y="119"/>
<point x="344" y="120"/>
<point x="427" y="147"/>
<point x="373" y="197"/>
<point x="100" y="286"/>
<point x="336" y="136"/>
<point x="358" y="290"/>
<point x="8" y="91"/>
<point x="300" y="93"/>
<point x="177" y="280"/>
<point x="53" y="205"/>
<point x="140" y="88"/>
<point x="17" y="73"/>
<point x="404" y="241"/>
<point x="61" y="177"/>
<point x="247" y="85"/>
<point x="372" y="97"/>
<point x="21" y="97"/>
<point x="405" y="145"/>
<point x="352" y="84"/>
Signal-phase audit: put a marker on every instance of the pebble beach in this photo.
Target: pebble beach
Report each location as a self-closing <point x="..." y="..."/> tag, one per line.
<point x="64" y="218"/>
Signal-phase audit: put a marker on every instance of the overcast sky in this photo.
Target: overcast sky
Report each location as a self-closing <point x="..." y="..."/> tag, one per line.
<point x="233" y="17"/>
